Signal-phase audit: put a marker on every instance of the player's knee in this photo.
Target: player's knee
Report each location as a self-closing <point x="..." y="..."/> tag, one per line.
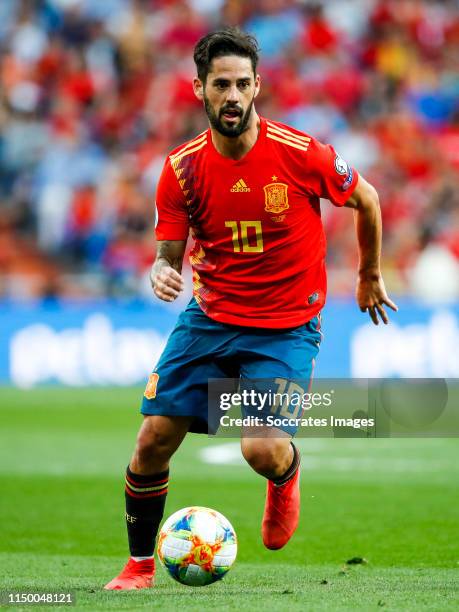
<point x="264" y="455"/>
<point x="153" y="444"/>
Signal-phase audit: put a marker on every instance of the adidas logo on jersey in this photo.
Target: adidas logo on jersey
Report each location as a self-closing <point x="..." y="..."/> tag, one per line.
<point x="239" y="187"/>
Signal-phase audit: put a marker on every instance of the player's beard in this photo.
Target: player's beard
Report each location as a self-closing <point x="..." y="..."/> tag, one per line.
<point x="216" y="121"/>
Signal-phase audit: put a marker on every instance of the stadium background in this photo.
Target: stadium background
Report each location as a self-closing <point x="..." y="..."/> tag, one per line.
<point x="93" y="94"/>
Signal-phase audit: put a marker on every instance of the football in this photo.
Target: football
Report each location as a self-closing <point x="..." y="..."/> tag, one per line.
<point x="197" y="546"/>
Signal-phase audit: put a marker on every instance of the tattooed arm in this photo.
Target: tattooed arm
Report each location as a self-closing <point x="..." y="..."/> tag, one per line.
<point x="165" y="277"/>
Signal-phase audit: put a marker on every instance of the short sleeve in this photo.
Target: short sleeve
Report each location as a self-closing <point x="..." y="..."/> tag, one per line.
<point x="329" y="175"/>
<point x="171" y="215"/>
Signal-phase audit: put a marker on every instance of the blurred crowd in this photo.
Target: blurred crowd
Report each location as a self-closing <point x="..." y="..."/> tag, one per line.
<point x="94" y="93"/>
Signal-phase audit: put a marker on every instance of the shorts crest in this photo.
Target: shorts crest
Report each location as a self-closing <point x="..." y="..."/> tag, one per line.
<point x="150" y="389"/>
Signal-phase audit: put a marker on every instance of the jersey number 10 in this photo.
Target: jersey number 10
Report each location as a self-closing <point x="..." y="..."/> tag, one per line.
<point x="240" y="235"/>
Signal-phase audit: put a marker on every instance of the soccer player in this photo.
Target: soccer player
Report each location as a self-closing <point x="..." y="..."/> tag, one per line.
<point x="249" y="189"/>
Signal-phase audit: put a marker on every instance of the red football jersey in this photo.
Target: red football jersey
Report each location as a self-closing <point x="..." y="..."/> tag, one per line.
<point x="259" y="253"/>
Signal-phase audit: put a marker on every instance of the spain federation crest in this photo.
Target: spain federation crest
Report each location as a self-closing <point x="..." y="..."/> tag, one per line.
<point x="150" y="391"/>
<point x="276" y="198"/>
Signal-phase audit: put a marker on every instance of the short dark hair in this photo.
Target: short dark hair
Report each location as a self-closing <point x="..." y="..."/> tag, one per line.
<point x="229" y="41"/>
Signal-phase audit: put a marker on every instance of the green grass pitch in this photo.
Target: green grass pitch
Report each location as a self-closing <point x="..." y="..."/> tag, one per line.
<point x="393" y="502"/>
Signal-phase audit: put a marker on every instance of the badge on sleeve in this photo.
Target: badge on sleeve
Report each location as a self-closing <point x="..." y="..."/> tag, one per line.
<point x="344" y="169"/>
<point x="341" y="166"/>
<point x="348" y="182"/>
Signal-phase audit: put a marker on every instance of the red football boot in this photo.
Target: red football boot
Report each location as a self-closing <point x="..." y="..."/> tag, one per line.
<point x="282" y="512"/>
<point x="135" y="575"/>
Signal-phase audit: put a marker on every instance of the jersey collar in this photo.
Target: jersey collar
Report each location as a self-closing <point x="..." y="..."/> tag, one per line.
<point x="248" y="156"/>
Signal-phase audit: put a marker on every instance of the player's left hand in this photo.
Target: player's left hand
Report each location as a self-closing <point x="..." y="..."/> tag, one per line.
<point x="371" y="296"/>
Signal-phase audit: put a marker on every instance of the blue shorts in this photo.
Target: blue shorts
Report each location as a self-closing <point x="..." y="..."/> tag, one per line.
<point x="200" y="349"/>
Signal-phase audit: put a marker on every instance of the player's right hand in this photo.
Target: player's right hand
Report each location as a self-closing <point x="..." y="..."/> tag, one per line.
<point x="167" y="284"/>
